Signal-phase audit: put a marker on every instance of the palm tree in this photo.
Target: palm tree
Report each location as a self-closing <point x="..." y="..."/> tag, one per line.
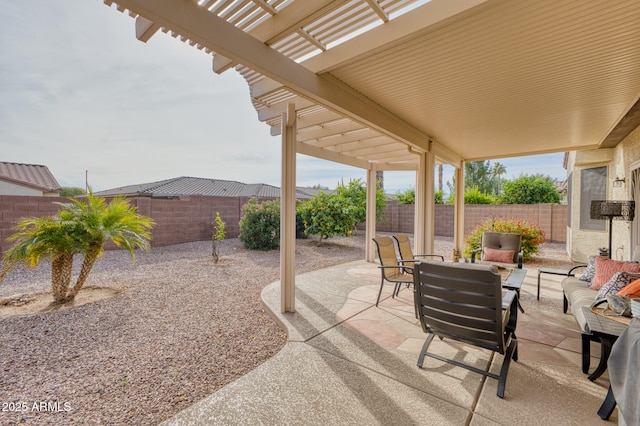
<point x="497" y="170"/>
<point x="81" y="227"/>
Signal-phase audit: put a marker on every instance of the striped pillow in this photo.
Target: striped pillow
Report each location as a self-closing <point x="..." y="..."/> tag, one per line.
<point x="618" y="281"/>
<point x="605" y="268"/>
<point x="590" y="272"/>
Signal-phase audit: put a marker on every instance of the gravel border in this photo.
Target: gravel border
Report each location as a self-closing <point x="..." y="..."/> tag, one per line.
<point x="182" y="328"/>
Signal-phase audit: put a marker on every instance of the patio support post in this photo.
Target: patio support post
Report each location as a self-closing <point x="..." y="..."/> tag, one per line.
<point x="370" y="232"/>
<point x="288" y="212"/>
<point x="458" y="217"/>
<point x="423" y="235"/>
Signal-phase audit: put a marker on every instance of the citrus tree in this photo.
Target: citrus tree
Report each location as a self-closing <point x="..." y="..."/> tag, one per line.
<point x="328" y="215"/>
<point x="82" y="227"/>
<point x="355" y="194"/>
<point x="219" y="234"/>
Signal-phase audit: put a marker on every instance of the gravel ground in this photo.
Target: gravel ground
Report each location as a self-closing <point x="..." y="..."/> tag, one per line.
<point x="182" y="328"/>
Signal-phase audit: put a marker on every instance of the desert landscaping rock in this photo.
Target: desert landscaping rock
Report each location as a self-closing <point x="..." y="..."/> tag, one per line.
<point x="175" y="329"/>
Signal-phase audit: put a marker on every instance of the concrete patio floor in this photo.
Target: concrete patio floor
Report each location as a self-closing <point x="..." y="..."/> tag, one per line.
<point x="348" y="362"/>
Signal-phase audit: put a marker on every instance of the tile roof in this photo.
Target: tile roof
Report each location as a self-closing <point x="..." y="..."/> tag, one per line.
<point x="31" y="175"/>
<point x="185" y="185"/>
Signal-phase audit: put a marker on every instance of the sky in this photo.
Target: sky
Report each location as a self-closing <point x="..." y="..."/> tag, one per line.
<point x="81" y="95"/>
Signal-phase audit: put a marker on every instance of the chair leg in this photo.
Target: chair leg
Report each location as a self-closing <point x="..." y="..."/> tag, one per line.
<point x="396" y="290"/>
<point x="380" y="292"/>
<point x="565" y="303"/>
<point x="423" y="352"/>
<point x="502" y="381"/>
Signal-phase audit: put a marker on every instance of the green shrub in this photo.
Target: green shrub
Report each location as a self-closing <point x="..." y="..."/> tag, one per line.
<point x="527" y="189"/>
<point x="328" y="215"/>
<point x="475" y="196"/>
<point x="438" y="197"/>
<point x="355" y="194"/>
<point x="406" y="197"/>
<point x="532" y="235"/>
<point x="260" y="225"/>
<point x="300" y="229"/>
<point x="409" y="197"/>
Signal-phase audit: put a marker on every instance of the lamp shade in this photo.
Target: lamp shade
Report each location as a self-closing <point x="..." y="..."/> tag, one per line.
<point x="611" y="209"/>
<point x="595" y="211"/>
<point x="627" y="211"/>
<point x="618" y="210"/>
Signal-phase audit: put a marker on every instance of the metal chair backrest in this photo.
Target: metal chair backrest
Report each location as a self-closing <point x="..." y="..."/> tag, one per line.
<point x="461" y="301"/>
<point x="502" y="241"/>
<point x="404" y="246"/>
<point x="387" y="256"/>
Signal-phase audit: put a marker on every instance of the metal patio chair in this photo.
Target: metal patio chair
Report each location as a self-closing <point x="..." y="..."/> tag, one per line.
<point x="390" y="269"/>
<point x="464" y="302"/>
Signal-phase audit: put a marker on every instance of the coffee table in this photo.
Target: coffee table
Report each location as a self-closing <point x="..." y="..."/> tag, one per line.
<point x="601" y="329"/>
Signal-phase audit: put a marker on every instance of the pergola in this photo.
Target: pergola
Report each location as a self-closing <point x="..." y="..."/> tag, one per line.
<point x="405" y="84"/>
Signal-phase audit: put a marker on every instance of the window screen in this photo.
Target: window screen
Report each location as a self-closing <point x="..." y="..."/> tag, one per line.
<point x="593" y="186"/>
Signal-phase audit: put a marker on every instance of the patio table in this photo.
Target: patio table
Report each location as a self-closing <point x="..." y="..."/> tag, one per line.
<point x="514" y="282"/>
<point x="606" y="331"/>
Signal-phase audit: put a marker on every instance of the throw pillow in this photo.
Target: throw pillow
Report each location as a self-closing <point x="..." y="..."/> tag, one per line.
<point x="496" y="255"/>
<point x="618" y="281"/>
<point x="590" y="272"/>
<point x="605" y="268"/>
<point x="632" y="289"/>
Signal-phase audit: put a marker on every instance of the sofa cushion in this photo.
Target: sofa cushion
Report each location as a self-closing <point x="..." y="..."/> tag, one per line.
<point x="578" y="294"/>
<point x="605" y="268"/>
<point x="618" y="281"/>
<point x="632" y="289"/>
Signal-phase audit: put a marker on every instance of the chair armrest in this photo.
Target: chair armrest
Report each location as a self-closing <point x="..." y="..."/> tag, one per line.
<point x="509" y="298"/>
<point x="598" y="302"/>
<point x="402" y="268"/>
<point x="570" y="272"/>
<point x="473" y="254"/>
<point x="439" y="256"/>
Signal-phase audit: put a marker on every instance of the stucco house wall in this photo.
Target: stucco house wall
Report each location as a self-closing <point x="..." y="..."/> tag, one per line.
<point x="619" y="160"/>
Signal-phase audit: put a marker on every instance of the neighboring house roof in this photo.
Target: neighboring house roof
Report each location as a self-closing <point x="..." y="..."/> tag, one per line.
<point x="32" y="175"/>
<point x="185" y="185"/>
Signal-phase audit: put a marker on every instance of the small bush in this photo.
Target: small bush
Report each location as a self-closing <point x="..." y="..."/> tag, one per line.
<point x="409" y="197"/>
<point x="406" y="197"/>
<point x="260" y="225"/>
<point x="475" y="196"/>
<point x="532" y="235"/>
<point x="328" y="215"/>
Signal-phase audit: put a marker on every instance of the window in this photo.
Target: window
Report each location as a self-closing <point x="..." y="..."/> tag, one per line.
<point x="593" y="186"/>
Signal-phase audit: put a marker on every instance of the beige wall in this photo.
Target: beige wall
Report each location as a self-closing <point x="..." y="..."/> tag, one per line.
<point x="583" y="243"/>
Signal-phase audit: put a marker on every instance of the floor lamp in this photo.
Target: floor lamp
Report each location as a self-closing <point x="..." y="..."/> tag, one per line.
<point x="619" y="210"/>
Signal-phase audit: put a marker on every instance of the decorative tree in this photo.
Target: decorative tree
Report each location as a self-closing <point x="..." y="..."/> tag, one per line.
<point x="219" y="234"/>
<point x="81" y="227"/>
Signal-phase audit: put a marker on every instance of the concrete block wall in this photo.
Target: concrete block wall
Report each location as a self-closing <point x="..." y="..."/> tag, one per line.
<point x="552" y="218"/>
<point x="190" y="218"/>
<point x="185" y="219"/>
<point x="15" y="207"/>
